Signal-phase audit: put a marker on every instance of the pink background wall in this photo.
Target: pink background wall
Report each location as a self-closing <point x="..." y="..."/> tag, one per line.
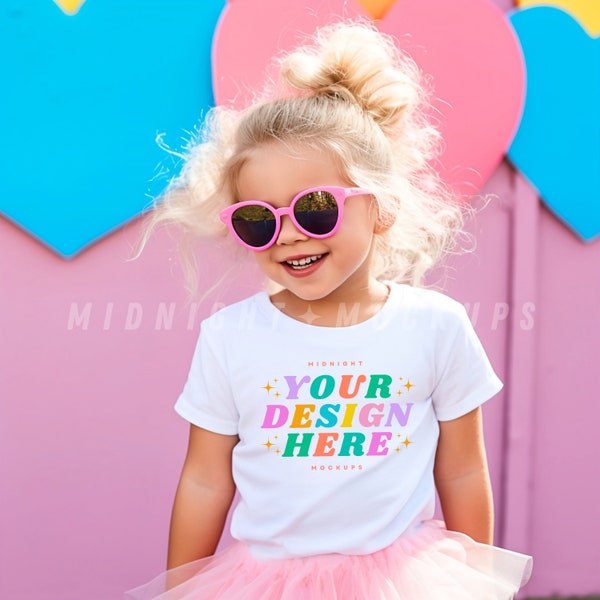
<point x="90" y="365"/>
<point x="91" y="447"/>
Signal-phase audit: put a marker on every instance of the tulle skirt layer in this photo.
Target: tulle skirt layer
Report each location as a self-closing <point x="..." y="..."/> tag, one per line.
<point x="430" y="563"/>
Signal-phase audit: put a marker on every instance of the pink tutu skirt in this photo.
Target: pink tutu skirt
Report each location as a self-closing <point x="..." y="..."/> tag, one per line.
<point x="429" y="563"/>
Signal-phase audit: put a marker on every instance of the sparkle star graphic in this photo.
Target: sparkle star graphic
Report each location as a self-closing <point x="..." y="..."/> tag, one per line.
<point x="407" y="442"/>
<point x="268" y="387"/>
<point x="268" y="444"/>
<point x="408" y="385"/>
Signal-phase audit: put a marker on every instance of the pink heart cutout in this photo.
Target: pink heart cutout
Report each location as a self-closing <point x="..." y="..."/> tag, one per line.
<point x="467" y="46"/>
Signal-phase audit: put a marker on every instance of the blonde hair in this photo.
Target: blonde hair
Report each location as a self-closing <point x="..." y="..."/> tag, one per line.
<point x="351" y="92"/>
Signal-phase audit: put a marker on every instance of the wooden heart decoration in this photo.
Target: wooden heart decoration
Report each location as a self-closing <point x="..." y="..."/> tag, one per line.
<point x="557" y="146"/>
<point x="468" y="46"/>
<point x="84" y="97"/>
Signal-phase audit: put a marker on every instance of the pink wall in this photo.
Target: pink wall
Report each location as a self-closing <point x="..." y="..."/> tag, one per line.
<point x="545" y="443"/>
<point x="92" y="447"/>
<point x="563" y="509"/>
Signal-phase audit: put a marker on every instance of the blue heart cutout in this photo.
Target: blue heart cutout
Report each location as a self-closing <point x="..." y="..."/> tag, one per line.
<point x="557" y="145"/>
<point x="84" y="98"/>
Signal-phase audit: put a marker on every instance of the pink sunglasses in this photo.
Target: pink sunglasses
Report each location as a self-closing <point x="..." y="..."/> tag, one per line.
<point x="316" y="212"/>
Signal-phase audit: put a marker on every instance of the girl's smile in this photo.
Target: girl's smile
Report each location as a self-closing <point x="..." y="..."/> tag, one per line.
<point x="301" y="266"/>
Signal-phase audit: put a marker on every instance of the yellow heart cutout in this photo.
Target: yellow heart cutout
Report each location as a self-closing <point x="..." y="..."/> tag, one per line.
<point x="377" y="8"/>
<point x="587" y="12"/>
<point x="69" y="7"/>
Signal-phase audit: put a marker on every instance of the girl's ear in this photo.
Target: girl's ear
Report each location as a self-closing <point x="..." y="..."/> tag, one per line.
<point x="381" y="225"/>
<point x="380" y="228"/>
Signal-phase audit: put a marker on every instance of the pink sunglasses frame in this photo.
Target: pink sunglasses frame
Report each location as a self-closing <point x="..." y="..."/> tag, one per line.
<point x="339" y="193"/>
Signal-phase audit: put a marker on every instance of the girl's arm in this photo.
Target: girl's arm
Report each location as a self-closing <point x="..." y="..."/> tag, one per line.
<point x="462" y="478"/>
<point x="204" y="495"/>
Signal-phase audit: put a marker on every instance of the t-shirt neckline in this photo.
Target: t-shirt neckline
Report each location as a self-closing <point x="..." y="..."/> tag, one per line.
<point x="276" y="315"/>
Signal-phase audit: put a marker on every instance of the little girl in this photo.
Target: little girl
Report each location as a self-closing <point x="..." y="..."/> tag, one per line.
<point x="337" y="404"/>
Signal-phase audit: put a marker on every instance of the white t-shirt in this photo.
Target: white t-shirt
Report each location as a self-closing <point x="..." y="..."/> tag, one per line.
<point x="338" y="426"/>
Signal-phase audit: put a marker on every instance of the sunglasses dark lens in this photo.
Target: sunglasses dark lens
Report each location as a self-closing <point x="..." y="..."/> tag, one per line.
<point x="255" y="225"/>
<point x="317" y="212"/>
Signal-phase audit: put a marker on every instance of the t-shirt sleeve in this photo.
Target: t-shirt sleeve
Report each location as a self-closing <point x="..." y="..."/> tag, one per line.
<point x="206" y="400"/>
<point x="466" y="378"/>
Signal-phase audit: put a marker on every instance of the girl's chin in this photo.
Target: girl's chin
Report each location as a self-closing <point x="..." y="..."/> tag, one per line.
<point x="298" y="293"/>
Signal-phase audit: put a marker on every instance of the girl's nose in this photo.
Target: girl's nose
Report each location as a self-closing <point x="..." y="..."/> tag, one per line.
<point x="289" y="233"/>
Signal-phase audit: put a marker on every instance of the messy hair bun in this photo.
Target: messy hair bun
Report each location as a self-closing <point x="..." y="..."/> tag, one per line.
<point x="351" y="92"/>
<point x="358" y="64"/>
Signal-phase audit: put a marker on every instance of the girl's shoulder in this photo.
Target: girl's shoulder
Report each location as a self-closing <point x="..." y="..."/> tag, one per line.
<point x="423" y="310"/>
